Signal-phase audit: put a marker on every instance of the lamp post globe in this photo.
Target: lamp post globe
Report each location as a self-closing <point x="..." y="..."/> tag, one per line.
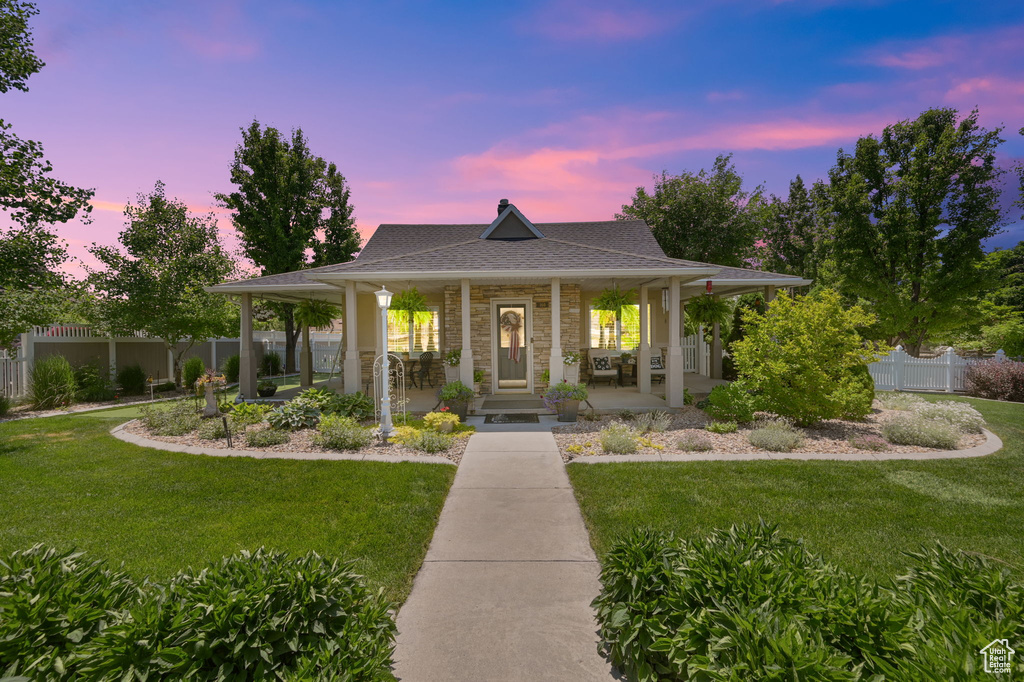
<point x="384" y="301"/>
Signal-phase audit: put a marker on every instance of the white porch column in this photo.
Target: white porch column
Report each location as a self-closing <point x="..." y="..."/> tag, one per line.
<point x="643" y="360"/>
<point x="716" y="348"/>
<point x="353" y="368"/>
<point x="556" y="368"/>
<point x="306" y="359"/>
<point x="466" y="361"/>
<point x="247" y="354"/>
<point x="112" y="358"/>
<point x="674" y="365"/>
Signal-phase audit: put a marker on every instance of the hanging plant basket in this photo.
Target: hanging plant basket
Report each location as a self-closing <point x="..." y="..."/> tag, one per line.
<point x="617" y="304"/>
<point x="410" y="304"/>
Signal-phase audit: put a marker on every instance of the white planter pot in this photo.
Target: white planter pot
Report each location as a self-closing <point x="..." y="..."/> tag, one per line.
<point x="451" y="373"/>
<point x="571" y="373"/>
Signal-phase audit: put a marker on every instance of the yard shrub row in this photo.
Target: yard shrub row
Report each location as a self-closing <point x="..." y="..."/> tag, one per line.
<point x="996" y="380"/>
<point x="749" y="604"/>
<point x="251" y="616"/>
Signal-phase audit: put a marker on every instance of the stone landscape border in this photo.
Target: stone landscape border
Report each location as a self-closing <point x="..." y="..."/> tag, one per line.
<point x="120" y="433"/>
<point x="992" y="444"/>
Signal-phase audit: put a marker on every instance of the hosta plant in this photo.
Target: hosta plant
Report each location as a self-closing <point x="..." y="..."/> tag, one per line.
<point x="293" y="417"/>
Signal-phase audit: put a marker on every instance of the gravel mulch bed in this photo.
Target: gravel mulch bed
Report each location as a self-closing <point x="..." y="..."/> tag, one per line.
<point x="301" y="441"/>
<point x="828" y="437"/>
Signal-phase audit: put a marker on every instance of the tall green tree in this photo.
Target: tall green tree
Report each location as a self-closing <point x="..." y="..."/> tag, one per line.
<point x="154" y="282"/>
<point x="796" y="235"/>
<point x="911" y="211"/>
<point x="32" y="287"/>
<point x="705" y="216"/>
<point x="288" y="204"/>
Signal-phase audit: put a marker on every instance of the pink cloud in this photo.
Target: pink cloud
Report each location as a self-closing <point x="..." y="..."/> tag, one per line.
<point x="968" y="50"/>
<point x="998" y="98"/>
<point x="217" y="30"/>
<point x="574" y="20"/>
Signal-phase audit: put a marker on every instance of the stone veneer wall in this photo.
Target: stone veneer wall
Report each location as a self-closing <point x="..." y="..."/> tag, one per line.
<point x="480" y="322"/>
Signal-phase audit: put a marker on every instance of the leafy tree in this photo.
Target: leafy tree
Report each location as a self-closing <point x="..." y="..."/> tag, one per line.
<point x="796" y="232"/>
<point x="288" y="203"/>
<point x="911" y="210"/>
<point x="804" y="358"/>
<point x="31" y="255"/>
<point x="1008" y="269"/>
<point x="156" y="283"/>
<point x="705" y="217"/>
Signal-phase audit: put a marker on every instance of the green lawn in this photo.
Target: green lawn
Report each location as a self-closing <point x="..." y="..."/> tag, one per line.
<point x="861" y="515"/>
<point x="64" y="481"/>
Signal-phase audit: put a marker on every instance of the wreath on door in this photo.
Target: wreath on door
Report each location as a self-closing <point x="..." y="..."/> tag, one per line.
<point x="511" y="322"/>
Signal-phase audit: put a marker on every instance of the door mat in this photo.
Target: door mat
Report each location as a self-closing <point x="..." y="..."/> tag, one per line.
<point x="530" y="403"/>
<point x="528" y="418"/>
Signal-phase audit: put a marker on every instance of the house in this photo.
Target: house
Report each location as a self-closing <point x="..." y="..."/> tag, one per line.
<point x="542" y="277"/>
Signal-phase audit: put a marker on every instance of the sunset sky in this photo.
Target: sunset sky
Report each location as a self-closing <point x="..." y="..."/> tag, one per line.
<point x="435" y="110"/>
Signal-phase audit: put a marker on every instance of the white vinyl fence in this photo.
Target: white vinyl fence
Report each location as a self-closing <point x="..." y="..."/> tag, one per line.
<point x="696" y="354"/>
<point x="900" y="371"/>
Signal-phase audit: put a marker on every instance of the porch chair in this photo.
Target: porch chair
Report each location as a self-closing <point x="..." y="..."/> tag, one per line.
<point x="658" y="366"/>
<point x="601" y="367"/>
<point x="423" y="372"/>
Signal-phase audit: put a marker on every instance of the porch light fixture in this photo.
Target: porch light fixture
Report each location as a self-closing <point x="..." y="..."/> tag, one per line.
<point x="384" y="301"/>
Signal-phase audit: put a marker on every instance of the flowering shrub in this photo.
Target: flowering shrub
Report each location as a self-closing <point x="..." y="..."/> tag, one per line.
<point x="913" y="429"/>
<point x="570" y="357"/>
<point x="996" y="380"/>
<point x="423" y="440"/>
<point x="618" y="438"/>
<point x="341" y="433"/>
<point x="776" y="436"/>
<point x="695" y="442"/>
<point x="562" y="392"/>
<point x="959" y="414"/>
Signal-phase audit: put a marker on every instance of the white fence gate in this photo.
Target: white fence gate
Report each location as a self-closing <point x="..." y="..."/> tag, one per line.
<point x="696" y="354"/>
<point x="12" y="376"/>
<point x="900" y="371"/>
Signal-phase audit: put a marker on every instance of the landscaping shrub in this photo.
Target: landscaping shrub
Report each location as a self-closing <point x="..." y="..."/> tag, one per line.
<point x="341" y="433"/>
<point x="435" y="421"/>
<point x="190" y="373"/>
<point x="51" y="383"/>
<point x="132" y="379"/>
<point x="805" y="360"/>
<point x="626" y="415"/>
<point x="898" y="401"/>
<point x="776" y="436"/>
<point x="870" y="442"/>
<point x="732" y="402"/>
<point x="253" y="616"/>
<point x="996" y="380"/>
<point x="317" y="398"/>
<point x="423" y="440"/>
<point x="247" y="414"/>
<point x="211" y="429"/>
<point x="357" y="405"/>
<point x="747" y="604"/>
<point x="722" y="427"/>
<point x="52" y="603"/>
<point x="293" y="416"/>
<point x="5" y="405"/>
<point x="913" y="429"/>
<point x="618" y="438"/>
<point x="959" y="414"/>
<point x="232" y="367"/>
<point x="176" y="419"/>
<point x="93" y="384"/>
<point x="271" y="364"/>
<point x="263" y="438"/>
<point x="165" y="387"/>
<point x="695" y="442"/>
<point x="656" y="422"/>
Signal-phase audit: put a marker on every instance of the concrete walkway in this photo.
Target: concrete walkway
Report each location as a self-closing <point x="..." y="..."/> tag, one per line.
<point x="505" y="590"/>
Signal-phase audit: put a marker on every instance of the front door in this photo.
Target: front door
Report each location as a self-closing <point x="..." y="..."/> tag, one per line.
<point x="511" y="342"/>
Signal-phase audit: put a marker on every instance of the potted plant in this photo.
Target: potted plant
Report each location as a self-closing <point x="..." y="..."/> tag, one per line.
<point x="564" y="398"/>
<point x="451" y="361"/>
<point x="545" y="378"/>
<point x="478" y="381"/>
<point x="206" y="384"/>
<point x="456" y="396"/>
<point x="571" y="371"/>
<point x="266" y="389"/>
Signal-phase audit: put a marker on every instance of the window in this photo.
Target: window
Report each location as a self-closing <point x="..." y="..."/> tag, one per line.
<point x="414" y="334"/>
<point x="606" y="332"/>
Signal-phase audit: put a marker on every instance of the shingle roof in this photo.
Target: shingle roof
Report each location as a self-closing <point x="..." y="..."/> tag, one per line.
<point x="612" y="244"/>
